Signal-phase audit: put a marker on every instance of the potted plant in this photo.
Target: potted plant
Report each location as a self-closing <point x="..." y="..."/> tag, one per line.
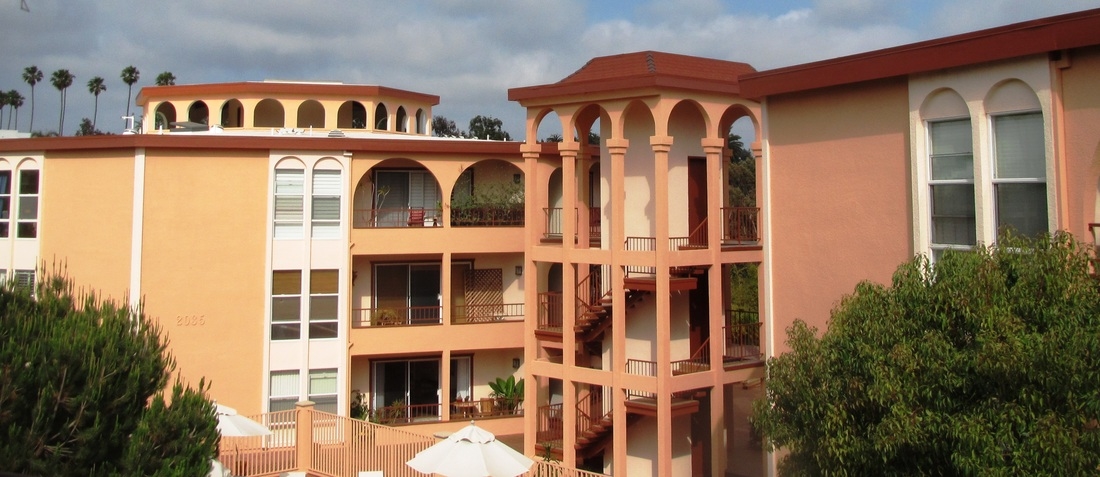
<point x="508" y="394"/>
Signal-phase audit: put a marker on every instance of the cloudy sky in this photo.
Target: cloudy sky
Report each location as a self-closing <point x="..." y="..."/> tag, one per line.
<point x="469" y="52"/>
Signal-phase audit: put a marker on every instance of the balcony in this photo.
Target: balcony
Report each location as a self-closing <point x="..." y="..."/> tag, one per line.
<point x="487" y="216"/>
<point x="390" y="316"/>
<point x="552" y="233"/>
<point x="397" y="218"/>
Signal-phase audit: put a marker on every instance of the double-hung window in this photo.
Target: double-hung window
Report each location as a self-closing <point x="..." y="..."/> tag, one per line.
<point x="5" y="204"/>
<point x="284" y="390"/>
<point x="951" y="185"/>
<point x="27" y="219"/>
<point x="1019" y="178"/>
<point x="323" y="303"/>
<point x="322" y="390"/>
<point x="289" y="192"/>
<point x="286" y="305"/>
<point x="325" y="206"/>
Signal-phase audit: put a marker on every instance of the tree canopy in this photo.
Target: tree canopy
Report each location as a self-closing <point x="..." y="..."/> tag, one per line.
<point x="983" y="363"/>
<point x="443" y="127"/>
<point x="83" y="390"/>
<point x="488" y="127"/>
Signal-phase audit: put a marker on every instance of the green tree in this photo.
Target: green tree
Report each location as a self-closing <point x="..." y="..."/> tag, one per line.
<point x="15" y="101"/>
<point x="82" y="389"/>
<point x="488" y="127"/>
<point x="443" y="127"/>
<point x="88" y="129"/>
<point x="32" y="75"/>
<point x="129" y="75"/>
<point x="983" y="363"/>
<point x="742" y="174"/>
<point x="166" y="79"/>
<point x="3" y="103"/>
<point x="96" y="86"/>
<point x="62" y="79"/>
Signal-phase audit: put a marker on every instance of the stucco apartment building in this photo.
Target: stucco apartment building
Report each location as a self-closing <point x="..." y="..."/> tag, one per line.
<point x="313" y="241"/>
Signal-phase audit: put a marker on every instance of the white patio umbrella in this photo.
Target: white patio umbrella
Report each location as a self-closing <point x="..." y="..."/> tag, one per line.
<point x="471" y="452"/>
<point x="231" y="424"/>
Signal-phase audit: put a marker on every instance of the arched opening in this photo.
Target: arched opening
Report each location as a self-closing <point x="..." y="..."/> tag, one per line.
<point x="165" y="115"/>
<point x="554" y="202"/>
<point x="381" y="118"/>
<point x="351" y="115"/>
<point x="421" y="122"/>
<point x="198" y="113"/>
<point x="549" y="128"/>
<point x="311" y="114"/>
<point x="402" y="120"/>
<point x="397" y="193"/>
<point x="232" y="114"/>
<point x="269" y="114"/>
<point x="638" y="172"/>
<point x="488" y="193"/>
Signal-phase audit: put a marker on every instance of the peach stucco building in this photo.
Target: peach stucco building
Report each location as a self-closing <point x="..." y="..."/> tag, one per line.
<point x="314" y="242"/>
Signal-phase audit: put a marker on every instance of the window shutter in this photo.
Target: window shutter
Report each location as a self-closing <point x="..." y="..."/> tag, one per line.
<point x="1020" y="148"/>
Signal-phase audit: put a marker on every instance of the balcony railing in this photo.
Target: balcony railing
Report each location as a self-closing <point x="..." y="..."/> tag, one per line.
<point x="487" y="216"/>
<point x="740" y="225"/>
<point x="550" y="311"/>
<point x="388" y="316"/>
<point x="743" y="342"/>
<point x="399" y="414"/>
<point x="396" y="218"/>
<point x="554" y="217"/>
<point x="488" y="313"/>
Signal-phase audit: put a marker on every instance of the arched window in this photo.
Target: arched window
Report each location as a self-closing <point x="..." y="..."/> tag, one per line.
<point x="269" y="114"/>
<point x="381" y="118"/>
<point x="402" y="120"/>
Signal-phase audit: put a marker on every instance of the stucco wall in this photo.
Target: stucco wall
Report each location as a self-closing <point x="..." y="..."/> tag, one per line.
<point x="205" y="218"/>
<point x="86" y="218"/>
<point x="838" y="170"/>
<point x="1082" y="140"/>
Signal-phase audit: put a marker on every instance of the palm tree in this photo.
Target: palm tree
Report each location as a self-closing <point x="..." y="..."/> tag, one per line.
<point x="96" y="86"/>
<point x="32" y="75"/>
<point x="166" y="79"/>
<point x="15" y="101"/>
<point x="62" y="79"/>
<point x="3" y="102"/>
<point x="130" y="75"/>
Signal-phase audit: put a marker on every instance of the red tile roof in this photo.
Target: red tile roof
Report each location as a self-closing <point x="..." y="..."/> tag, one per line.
<point x="642" y="69"/>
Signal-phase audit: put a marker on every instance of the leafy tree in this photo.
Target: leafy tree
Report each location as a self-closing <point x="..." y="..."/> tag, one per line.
<point x="62" y="79"/>
<point x="593" y="138"/>
<point x="82" y="390"/>
<point x="166" y="79"/>
<point x="87" y="128"/>
<point x="32" y="75"/>
<point x="742" y="174"/>
<point x="15" y="101"/>
<point x="96" y="86"/>
<point x="443" y="127"/>
<point x="488" y="127"/>
<point x="129" y="75"/>
<point x="983" y="363"/>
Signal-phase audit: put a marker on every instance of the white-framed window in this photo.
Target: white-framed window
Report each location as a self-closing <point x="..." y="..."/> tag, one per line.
<point x="289" y="198"/>
<point x="286" y="304"/>
<point x="5" y="204"/>
<point x="24" y="279"/>
<point x="322" y="390"/>
<point x="1019" y="175"/>
<point x="951" y="185"/>
<point x="325" y="205"/>
<point x="284" y="390"/>
<point x="324" y="294"/>
<point x="27" y="217"/>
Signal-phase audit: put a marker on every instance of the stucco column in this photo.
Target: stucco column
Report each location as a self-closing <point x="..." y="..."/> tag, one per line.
<point x="584" y="199"/>
<point x="445" y="385"/>
<point x="532" y="205"/>
<point x="661" y="146"/>
<point x="569" y="152"/>
<point x="303" y="434"/>
<point x="714" y="147"/>
<point x="617" y="150"/>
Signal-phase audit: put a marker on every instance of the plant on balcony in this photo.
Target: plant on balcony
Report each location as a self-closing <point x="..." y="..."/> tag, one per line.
<point x="385" y="316"/>
<point x="359" y="408"/>
<point x="494" y="203"/>
<point x="508" y="394"/>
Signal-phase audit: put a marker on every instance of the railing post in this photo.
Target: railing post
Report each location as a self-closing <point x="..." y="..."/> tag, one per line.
<point x="303" y="436"/>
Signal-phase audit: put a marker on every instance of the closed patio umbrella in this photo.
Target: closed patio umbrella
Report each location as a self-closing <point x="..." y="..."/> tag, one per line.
<point x="471" y="452"/>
